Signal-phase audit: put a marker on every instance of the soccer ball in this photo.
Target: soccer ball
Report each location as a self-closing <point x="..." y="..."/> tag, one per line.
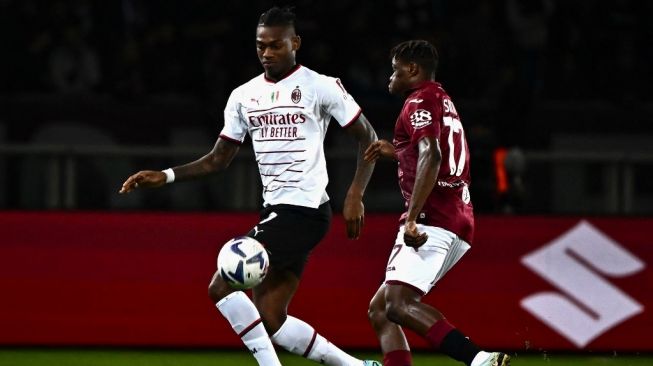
<point x="243" y="262"/>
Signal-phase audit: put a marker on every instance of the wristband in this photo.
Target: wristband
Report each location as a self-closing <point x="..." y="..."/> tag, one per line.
<point x="170" y="175"/>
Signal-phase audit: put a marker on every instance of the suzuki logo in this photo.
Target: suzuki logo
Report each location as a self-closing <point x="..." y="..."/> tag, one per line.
<point x="576" y="263"/>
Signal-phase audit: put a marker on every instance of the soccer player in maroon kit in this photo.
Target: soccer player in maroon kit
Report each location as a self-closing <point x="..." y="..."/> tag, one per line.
<point x="438" y="225"/>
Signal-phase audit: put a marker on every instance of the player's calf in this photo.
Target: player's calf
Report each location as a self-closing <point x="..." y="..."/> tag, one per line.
<point x="300" y="338"/>
<point x="244" y="319"/>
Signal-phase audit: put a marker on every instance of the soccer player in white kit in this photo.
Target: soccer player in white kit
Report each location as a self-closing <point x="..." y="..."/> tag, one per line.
<point x="438" y="225"/>
<point x="285" y="111"/>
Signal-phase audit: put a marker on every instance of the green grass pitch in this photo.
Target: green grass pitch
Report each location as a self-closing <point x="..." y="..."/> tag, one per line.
<point x="156" y="357"/>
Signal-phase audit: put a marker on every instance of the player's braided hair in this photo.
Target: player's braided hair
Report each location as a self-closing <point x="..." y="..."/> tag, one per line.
<point x="420" y="52"/>
<point x="277" y="16"/>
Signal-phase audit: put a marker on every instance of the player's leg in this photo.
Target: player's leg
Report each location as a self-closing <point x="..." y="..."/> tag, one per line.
<point x="245" y="320"/>
<point x="272" y="298"/>
<point x="290" y="236"/>
<point x="394" y="345"/>
<point x="243" y="316"/>
<point x="404" y="307"/>
<point x="410" y="275"/>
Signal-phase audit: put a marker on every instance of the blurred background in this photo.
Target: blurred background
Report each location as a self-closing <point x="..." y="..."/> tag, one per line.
<point x="554" y="95"/>
<point x="557" y="107"/>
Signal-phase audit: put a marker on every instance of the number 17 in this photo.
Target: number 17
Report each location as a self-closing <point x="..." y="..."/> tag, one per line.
<point x="455" y="127"/>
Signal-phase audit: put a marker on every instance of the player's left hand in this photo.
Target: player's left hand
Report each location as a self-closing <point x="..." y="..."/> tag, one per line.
<point x="354" y="214"/>
<point x="379" y="149"/>
<point x="412" y="237"/>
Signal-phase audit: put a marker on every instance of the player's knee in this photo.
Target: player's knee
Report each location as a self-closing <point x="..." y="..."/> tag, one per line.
<point x="214" y="293"/>
<point x="218" y="290"/>
<point x="376" y="313"/>
<point x="396" y="311"/>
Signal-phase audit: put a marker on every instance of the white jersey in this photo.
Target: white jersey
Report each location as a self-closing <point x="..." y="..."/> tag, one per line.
<point x="287" y="121"/>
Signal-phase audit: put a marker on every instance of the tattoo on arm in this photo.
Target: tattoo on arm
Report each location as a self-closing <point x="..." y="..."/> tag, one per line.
<point x="364" y="133"/>
<point x="216" y="160"/>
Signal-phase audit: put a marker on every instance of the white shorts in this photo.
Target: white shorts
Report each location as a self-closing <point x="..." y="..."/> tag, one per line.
<point x="420" y="269"/>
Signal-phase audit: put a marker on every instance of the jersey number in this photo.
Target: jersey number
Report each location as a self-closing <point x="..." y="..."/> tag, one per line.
<point x="397" y="247"/>
<point x="455" y="168"/>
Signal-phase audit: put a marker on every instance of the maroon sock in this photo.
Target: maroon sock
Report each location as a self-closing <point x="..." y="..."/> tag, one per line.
<point x="437" y="332"/>
<point x="452" y="342"/>
<point x="398" y="358"/>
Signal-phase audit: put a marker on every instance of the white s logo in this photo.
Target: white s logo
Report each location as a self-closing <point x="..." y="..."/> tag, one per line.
<point x="586" y="304"/>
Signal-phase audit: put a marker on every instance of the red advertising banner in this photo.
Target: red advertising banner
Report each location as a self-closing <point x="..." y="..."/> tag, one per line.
<point x="140" y="279"/>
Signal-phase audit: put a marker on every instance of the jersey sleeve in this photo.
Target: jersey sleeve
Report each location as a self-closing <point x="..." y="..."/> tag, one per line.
<point x="337" y="102"/>
<point x="235" y="126"/>
<point x="424" y="117"/>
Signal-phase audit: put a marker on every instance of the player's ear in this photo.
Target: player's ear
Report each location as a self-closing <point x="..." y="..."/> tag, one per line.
<point x="413" y="68"/>
<point x="296" y="42"/>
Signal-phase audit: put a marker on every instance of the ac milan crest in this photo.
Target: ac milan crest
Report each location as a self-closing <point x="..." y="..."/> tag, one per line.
<point x="296" y="95"/>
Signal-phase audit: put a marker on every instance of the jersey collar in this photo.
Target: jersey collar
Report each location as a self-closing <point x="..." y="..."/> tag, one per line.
<point x="422" y="85"/>
<point x="292" y="71"/>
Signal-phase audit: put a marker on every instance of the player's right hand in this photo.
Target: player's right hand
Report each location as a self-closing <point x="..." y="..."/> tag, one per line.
<point x="412" y="237"/>
<point x="354" y="214"/>
<point x="379" y="149"/>
<point x="144" y="179"/>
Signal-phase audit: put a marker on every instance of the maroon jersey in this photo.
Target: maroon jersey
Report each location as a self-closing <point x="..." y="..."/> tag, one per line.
<point x="428" y="111"/>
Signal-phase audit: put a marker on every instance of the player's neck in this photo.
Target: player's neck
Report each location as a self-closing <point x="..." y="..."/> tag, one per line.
<point x="282" y="75"/>
<point x="417" y="85"/>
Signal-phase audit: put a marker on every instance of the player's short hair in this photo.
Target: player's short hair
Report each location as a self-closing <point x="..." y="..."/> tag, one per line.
<point x="277" y="16"/>
<point x="420" y="52"/>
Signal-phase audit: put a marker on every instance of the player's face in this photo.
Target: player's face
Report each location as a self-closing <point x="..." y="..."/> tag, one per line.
<point x="400" y="80"/>
<point x="276" y="47"/>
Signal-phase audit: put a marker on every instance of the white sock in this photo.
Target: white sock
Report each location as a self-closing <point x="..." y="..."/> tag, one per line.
<point x="245" y="320"/>
<point x="480" y="358"/>
<point x="300" y="338"/>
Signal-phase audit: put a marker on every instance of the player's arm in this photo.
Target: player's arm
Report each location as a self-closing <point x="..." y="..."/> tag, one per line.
<point x="216" y="160"/>
<point x="353" y="210"/>
<point x="428" y="165"/>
